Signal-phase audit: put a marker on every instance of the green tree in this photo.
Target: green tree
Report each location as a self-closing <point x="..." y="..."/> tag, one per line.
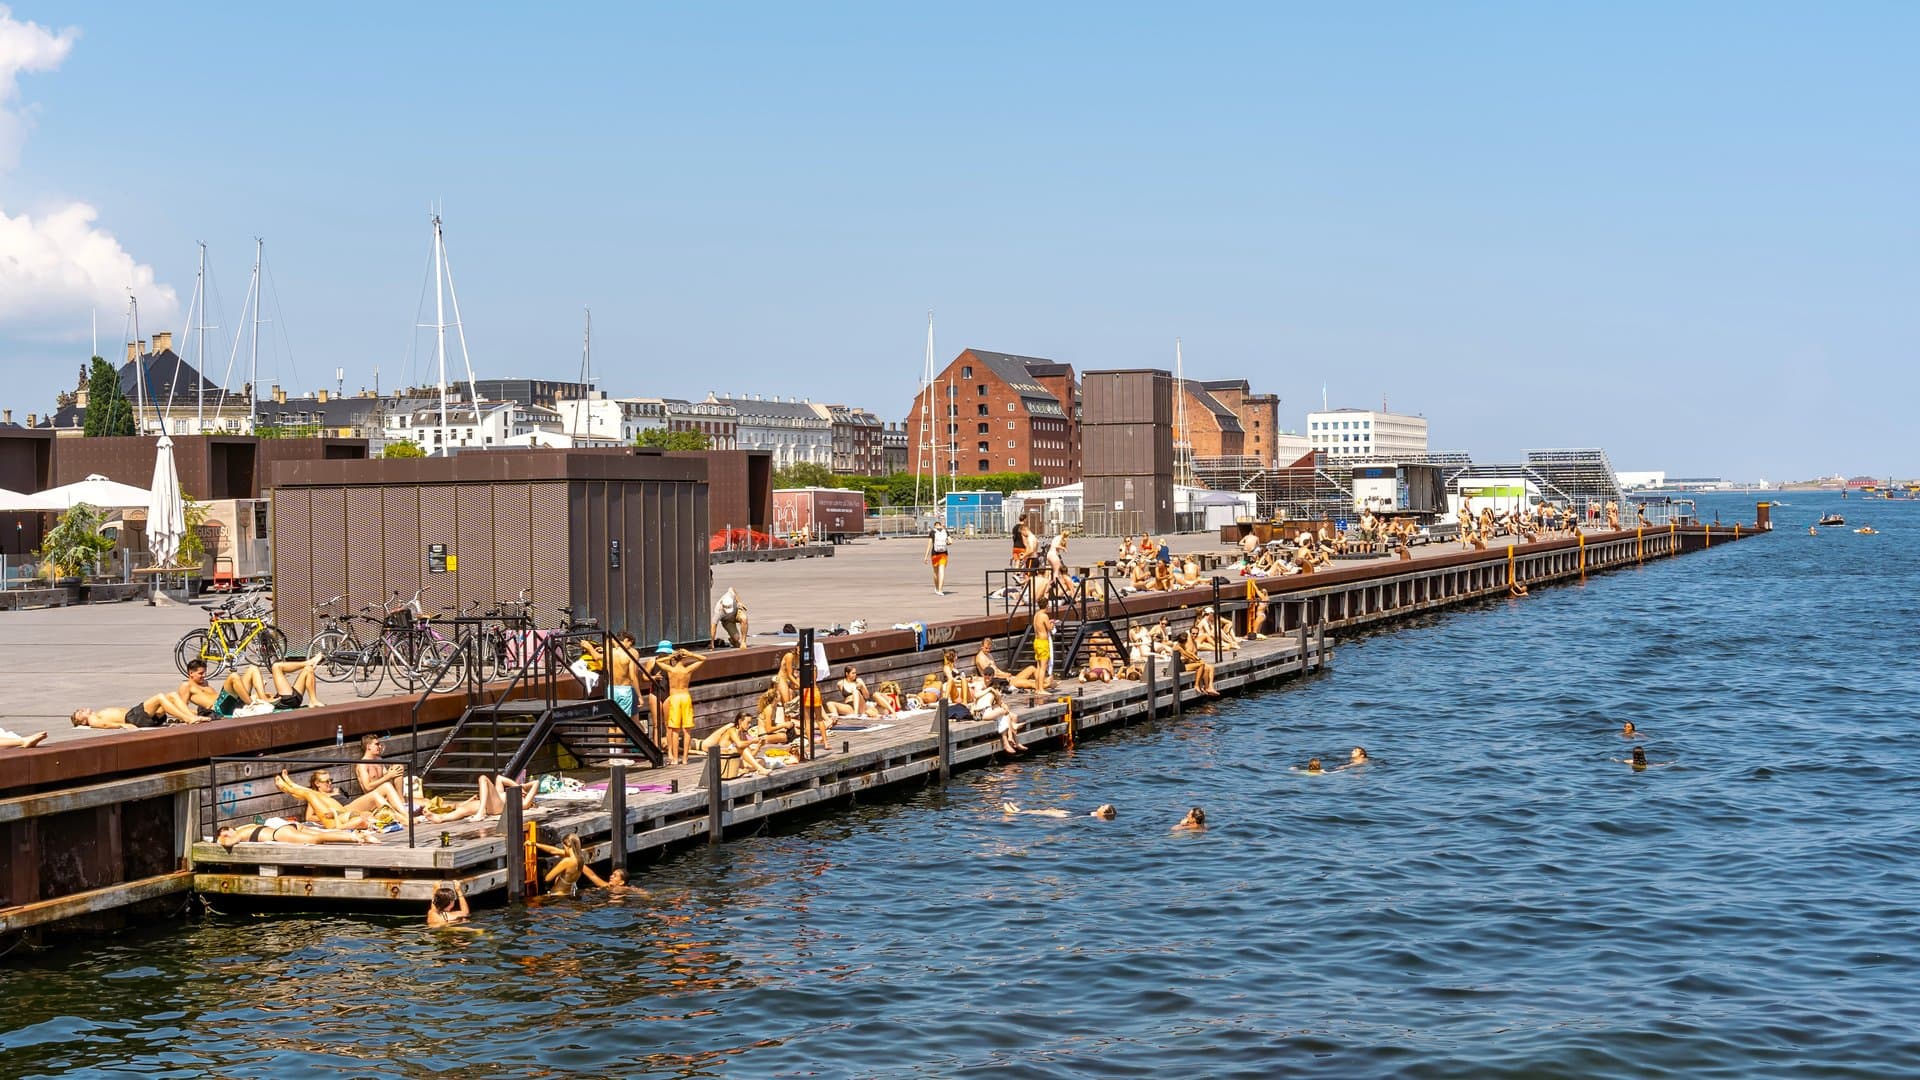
<point x="75" y="544"/>
<point x="108" y="410"/>
<point x="403" y="449"/>
<point x="193" y="549"/>
<point x="662" y="439"/>
<point x="802" y="474"/>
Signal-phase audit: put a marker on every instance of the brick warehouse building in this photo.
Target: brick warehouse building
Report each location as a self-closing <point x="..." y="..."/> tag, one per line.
<point x="996" y="412"/>
<point x="1259" y="416"/>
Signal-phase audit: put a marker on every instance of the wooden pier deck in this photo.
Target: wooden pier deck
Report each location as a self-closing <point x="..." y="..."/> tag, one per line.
<point x="901" y="751"/>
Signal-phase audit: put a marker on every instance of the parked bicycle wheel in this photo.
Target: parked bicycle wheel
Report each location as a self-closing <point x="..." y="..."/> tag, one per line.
<point x="442" y="662"/>
<point x="336" y="653"/>
<point x="403" y="654"/>
<point x="193" y="646"/>
<point x="267" y="646"/>
<point x="367" y="669"/>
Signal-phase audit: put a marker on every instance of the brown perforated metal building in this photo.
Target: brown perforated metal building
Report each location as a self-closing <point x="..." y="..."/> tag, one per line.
<point x="621" y="537"/>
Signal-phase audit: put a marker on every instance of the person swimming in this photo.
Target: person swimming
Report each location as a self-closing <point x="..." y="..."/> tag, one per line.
<point x="1311" y="768"/>
<point x="1011" y="809"/>
<point x="1628" y="731"/>
<point x="1196" y="820"/>
<point x="1639" y="761"/>
<point x="1357" y="757"/>
<point x="1105" y="812"/>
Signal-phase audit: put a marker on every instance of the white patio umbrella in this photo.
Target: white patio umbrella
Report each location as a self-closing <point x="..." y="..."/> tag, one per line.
<point x="95" y="490"/>
<point x="166" y="510"/>
<point x="13" y="500"/>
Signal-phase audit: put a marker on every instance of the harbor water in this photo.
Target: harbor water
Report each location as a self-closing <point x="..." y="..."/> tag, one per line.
<point x="1497" y="895"/>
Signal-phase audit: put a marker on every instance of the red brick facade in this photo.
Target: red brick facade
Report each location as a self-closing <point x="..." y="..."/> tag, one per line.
<point x="999" y="416"/>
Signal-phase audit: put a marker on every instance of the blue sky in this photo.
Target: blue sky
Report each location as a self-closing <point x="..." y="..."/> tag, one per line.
<point x="1685" y="232"/>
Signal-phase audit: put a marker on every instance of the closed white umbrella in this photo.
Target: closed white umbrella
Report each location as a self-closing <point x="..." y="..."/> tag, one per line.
<point x="166" y="510"/>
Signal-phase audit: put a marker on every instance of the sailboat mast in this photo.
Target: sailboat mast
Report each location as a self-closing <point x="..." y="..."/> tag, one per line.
<point x="200" y="345"/>
<point x="586" y="373"/>
<point x="924" y="455"/>
<point x="253" y="357"/>
<point x="440" y="328"/>
<point x="139" y="367"/>
<point x="1182" y="449"/>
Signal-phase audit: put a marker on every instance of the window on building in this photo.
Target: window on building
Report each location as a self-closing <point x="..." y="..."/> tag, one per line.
<point x="1009" y="406"/>
<point x="983" y="446"/>
<point x="1011" y="445"/>
<point x="950" y="390"/>
<point x="1366" y="424"/>
<point x="985" y="464"/>
<point x="983" y="428"/>
<point x="1011" y="463"/>
<point x="983" y="390"/>
<point x="966" y="372"/>
<point x="1009" y="425"/>
<point x="983" y="408"/>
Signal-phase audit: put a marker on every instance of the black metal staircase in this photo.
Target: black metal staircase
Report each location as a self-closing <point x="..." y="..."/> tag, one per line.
<point x="528" y="726"/>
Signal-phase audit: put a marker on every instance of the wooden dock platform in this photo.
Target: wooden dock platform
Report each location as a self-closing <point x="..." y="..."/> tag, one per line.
<point x="902" y="751"/>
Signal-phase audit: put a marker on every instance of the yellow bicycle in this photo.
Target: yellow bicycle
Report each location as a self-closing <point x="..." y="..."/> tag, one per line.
<point x="238" y="634"/>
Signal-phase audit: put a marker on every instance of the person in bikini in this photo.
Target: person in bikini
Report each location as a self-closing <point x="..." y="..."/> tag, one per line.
<point x="564" y="878"/>
<point x="737" y="747"/>
<point x="490" y="803"/>
<point x="1190" y="659"/>
<point x="277" y="830"/>
<point x="854" y="689"/>
<point x="160" y="709"/>
<point x="679" y="666"/>
<point x="324" y="806"/>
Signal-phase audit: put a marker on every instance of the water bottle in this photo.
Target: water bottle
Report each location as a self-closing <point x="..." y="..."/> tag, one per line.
<point x="339" y="734"/>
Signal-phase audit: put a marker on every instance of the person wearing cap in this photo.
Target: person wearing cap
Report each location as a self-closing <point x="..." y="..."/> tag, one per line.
<point x="679" y="666"/>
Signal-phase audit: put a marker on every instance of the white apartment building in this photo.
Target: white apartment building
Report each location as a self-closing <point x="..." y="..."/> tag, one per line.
<point x="600" y="419"/>
<point x="794" y="431"/>
<point x="1351" y="434"/>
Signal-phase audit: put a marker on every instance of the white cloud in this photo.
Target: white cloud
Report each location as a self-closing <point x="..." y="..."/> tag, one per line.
<point x="58" y="265"/>
<point x="62" y="264"/>
<point x="24" y="46"/>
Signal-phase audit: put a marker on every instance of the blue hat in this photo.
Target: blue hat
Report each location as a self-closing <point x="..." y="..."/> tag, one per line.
<point x="663" y="648"/>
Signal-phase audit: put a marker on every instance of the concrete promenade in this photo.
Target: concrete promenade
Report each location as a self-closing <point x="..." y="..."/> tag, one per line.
<point x="112" y="655"/>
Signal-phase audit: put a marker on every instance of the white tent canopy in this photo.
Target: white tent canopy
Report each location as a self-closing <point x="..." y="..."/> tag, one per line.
<point x="96" y="490"/>
<point x="13" y="500"/>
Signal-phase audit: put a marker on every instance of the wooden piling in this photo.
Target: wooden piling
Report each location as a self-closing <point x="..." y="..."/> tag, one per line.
<point x="617" y="810"/>
<point x="716" y="798"/>
<point x="511" y="827"/>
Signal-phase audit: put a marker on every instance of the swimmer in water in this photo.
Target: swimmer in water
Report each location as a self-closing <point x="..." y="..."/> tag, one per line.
<point x="1105" y="812"/>
<point x="1196" y="821"/>
<point x="449" y="906"/>
<point x="1312" y="768"/>
<point x="1628" y="731"/>
<point x="1011" y="809"/>
<point x="1356" y="758"/>
<point x="1639" y="761"/>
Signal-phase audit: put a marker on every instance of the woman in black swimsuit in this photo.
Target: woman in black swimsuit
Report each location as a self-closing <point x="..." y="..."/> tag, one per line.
<point x="281" y="831"/>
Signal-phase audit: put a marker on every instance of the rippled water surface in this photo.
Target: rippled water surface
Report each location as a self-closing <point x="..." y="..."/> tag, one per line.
<point x="1496" y="896"/>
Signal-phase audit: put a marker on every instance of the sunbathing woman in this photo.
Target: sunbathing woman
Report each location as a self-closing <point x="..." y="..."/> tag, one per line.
<point x="12" y="741"/>
<point x="736" y="746"/>
<point x="886" y="701"/>
<point x="277" y="830"/>
<point x="490" y="803"/>
<point x="564" y="878"/>
<point x="324" y="805"/>
<point x="929" y="696"/>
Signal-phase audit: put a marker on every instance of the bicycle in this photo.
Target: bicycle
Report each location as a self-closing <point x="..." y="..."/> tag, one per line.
<point x="344" y="657"/>
<point x="415" y="651"/>
<point x="237" y="633"/>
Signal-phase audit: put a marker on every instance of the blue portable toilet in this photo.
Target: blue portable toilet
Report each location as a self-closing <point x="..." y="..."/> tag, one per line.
<point x="978" y="510"/>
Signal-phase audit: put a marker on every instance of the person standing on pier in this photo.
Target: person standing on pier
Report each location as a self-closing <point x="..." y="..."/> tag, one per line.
<point x="937" y="556"/>
<point x="679" y="666"/>
<point x="1043" y="646"/>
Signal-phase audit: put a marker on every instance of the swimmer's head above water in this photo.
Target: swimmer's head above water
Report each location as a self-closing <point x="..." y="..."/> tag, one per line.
<point x="1105" y="812"/>
<point x="1359" y="756"/>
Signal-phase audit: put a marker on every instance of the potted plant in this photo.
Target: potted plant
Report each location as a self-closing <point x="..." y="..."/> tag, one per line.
<point x="71" y="550"/>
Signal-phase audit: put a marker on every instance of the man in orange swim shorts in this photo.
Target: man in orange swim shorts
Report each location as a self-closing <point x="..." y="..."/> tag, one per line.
<point x="679" y="666"/>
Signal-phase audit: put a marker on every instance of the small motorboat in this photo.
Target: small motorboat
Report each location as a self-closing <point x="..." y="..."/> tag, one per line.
<point x="1831" y="519"/>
